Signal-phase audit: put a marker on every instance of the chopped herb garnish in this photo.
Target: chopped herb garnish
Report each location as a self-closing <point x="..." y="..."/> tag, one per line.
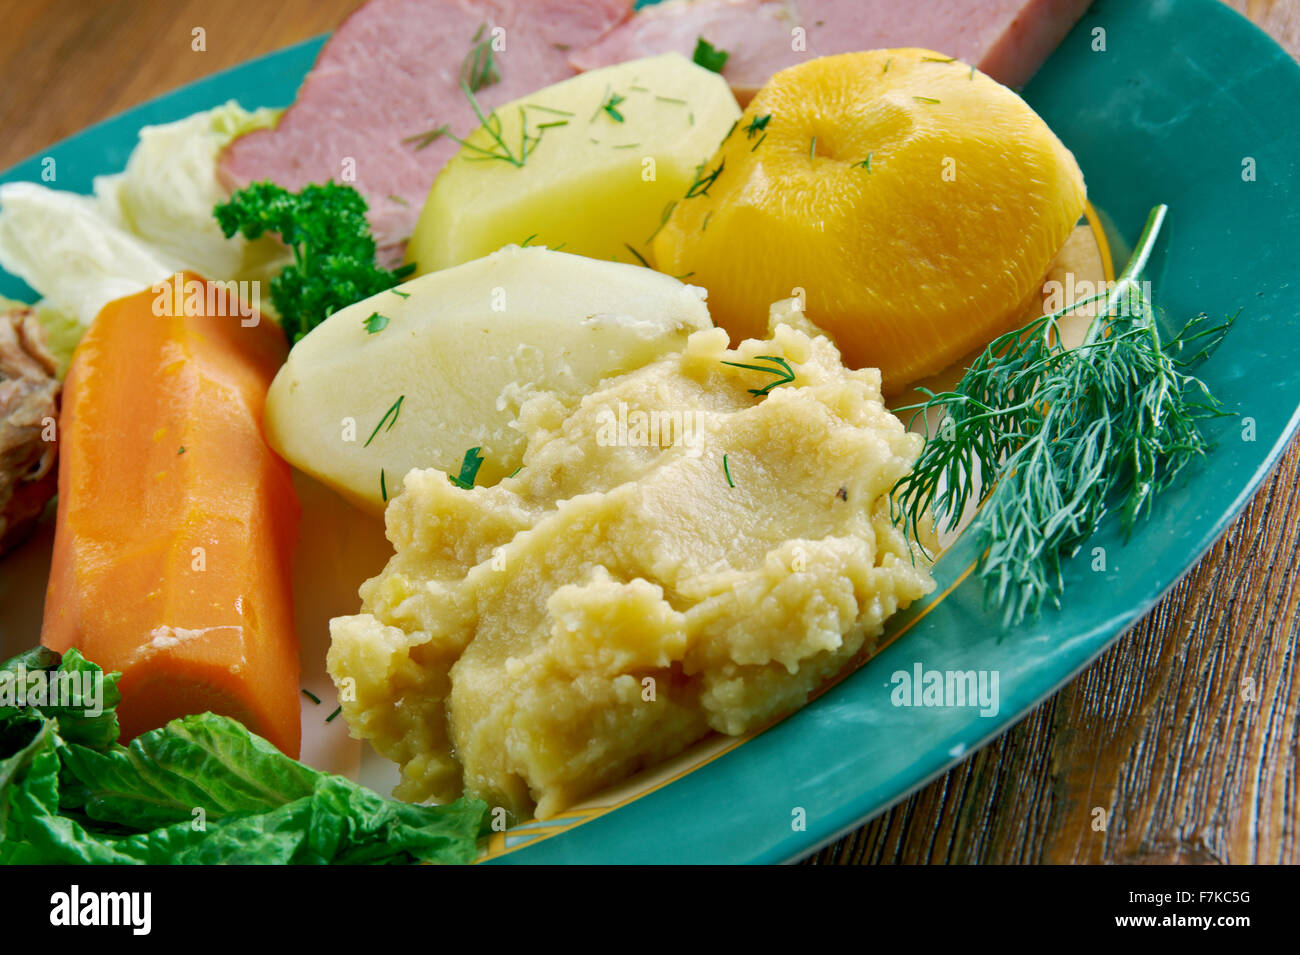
<point x="398" y="199"/>
<point x="684" y="276"/>
<point x="424" y="139"/>
<point x="548" y="109"/>
<point x="709" y="56"/>
<point x="639" y="257"/>
<point x="491" y="124"/>
<point x="731" y="130"/>
<point x="700" y="187"/>
<point x="938" y="59"/>
<point x="639" y="89"/>
<point x="400" y="292"/>
<point x="524" y="244"/>
<point x="783" y="371"/>
<point x="865" y="164"/>
<point x="812" y="150"/>
<point x="663" y="220"/>
<point x="375" y="323"/>
<point x="394" y="409"/>
<point x="610" y="107"/>
<point x="628" y="146"/>
<point x="383" y="486"/>
<point x="1062" y="437"/>
<point x="671" y="99"/>
<point x="468" y="469"/>
<point x="479" y="68"/>
<point x="707" y="216"/>
<point x="182" y="450"/>
<point x="311" y="696"/>
<point x="757" y="125"/>
<point x="515" y="471"/>
<point x="925" y="99"/>
<point x="888" y="60"/>
<point x="759" y="143"/>
<point x="337" y="711"/>
<point x="726" y="469"/>
<point x="604" y="97"/>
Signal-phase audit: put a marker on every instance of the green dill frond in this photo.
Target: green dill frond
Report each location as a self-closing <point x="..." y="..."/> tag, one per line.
<point x="1058" y="437"/>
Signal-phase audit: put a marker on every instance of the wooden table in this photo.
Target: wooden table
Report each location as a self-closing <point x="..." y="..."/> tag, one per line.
<point x="1185" y="732"/>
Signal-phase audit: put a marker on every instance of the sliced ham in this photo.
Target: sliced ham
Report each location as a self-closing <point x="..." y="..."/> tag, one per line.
<point x="1007" y="39"/>
<point x="392" y="71"/>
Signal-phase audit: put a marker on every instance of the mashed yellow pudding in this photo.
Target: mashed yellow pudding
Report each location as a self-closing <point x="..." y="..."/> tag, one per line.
<point x="677" y="555"/>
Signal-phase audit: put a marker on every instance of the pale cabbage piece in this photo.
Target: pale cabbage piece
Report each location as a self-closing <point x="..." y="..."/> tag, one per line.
<point x="168" y="191"/>
<point x="63" y="246"/>
<point x="141" y="226"/>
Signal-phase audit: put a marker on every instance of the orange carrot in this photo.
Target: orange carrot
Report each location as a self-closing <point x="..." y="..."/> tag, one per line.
<point x="176" y="522"/>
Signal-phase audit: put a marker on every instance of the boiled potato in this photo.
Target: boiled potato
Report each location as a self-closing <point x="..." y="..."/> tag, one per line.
<point x="461" y="349"/>
<point x="617" y="146"/>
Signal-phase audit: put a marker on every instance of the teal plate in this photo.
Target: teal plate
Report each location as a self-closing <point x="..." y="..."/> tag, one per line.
<point x="1185" y="96"/>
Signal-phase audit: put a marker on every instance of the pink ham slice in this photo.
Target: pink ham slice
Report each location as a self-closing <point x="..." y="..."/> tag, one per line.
<point x="1007" y="39"/>
<point x="392" y="71"/>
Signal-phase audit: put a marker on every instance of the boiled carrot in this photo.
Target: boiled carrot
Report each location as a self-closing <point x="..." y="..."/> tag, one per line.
<point x="176" y="523"/>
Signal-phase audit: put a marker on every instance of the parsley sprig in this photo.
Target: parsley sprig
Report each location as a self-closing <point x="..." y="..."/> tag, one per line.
<point x="333" y="250"/>
<point x="709" y="56"/>
<point x="468" y="470"/>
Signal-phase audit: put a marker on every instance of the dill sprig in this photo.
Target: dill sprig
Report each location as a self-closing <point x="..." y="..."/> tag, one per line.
<point x="491" y="124"/>
<point x="757" y="125"/>
<point x="1059" y="437"/>
<point x="663" y="220"/>
<point x="784" y="373"/>
<point x="479" y="68"/>
<point x="389" y="418"/>
<point x="639" y="257"/>
<point x="422" y="140"/>
<point x="704" y="181"/>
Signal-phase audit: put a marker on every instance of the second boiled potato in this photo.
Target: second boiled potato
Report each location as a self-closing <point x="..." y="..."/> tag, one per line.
<point x="416" y="376"/>
<point x="588" y="165"/>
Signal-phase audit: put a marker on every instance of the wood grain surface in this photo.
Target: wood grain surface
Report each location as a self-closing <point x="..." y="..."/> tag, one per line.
<point x="1183" y="737"/>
